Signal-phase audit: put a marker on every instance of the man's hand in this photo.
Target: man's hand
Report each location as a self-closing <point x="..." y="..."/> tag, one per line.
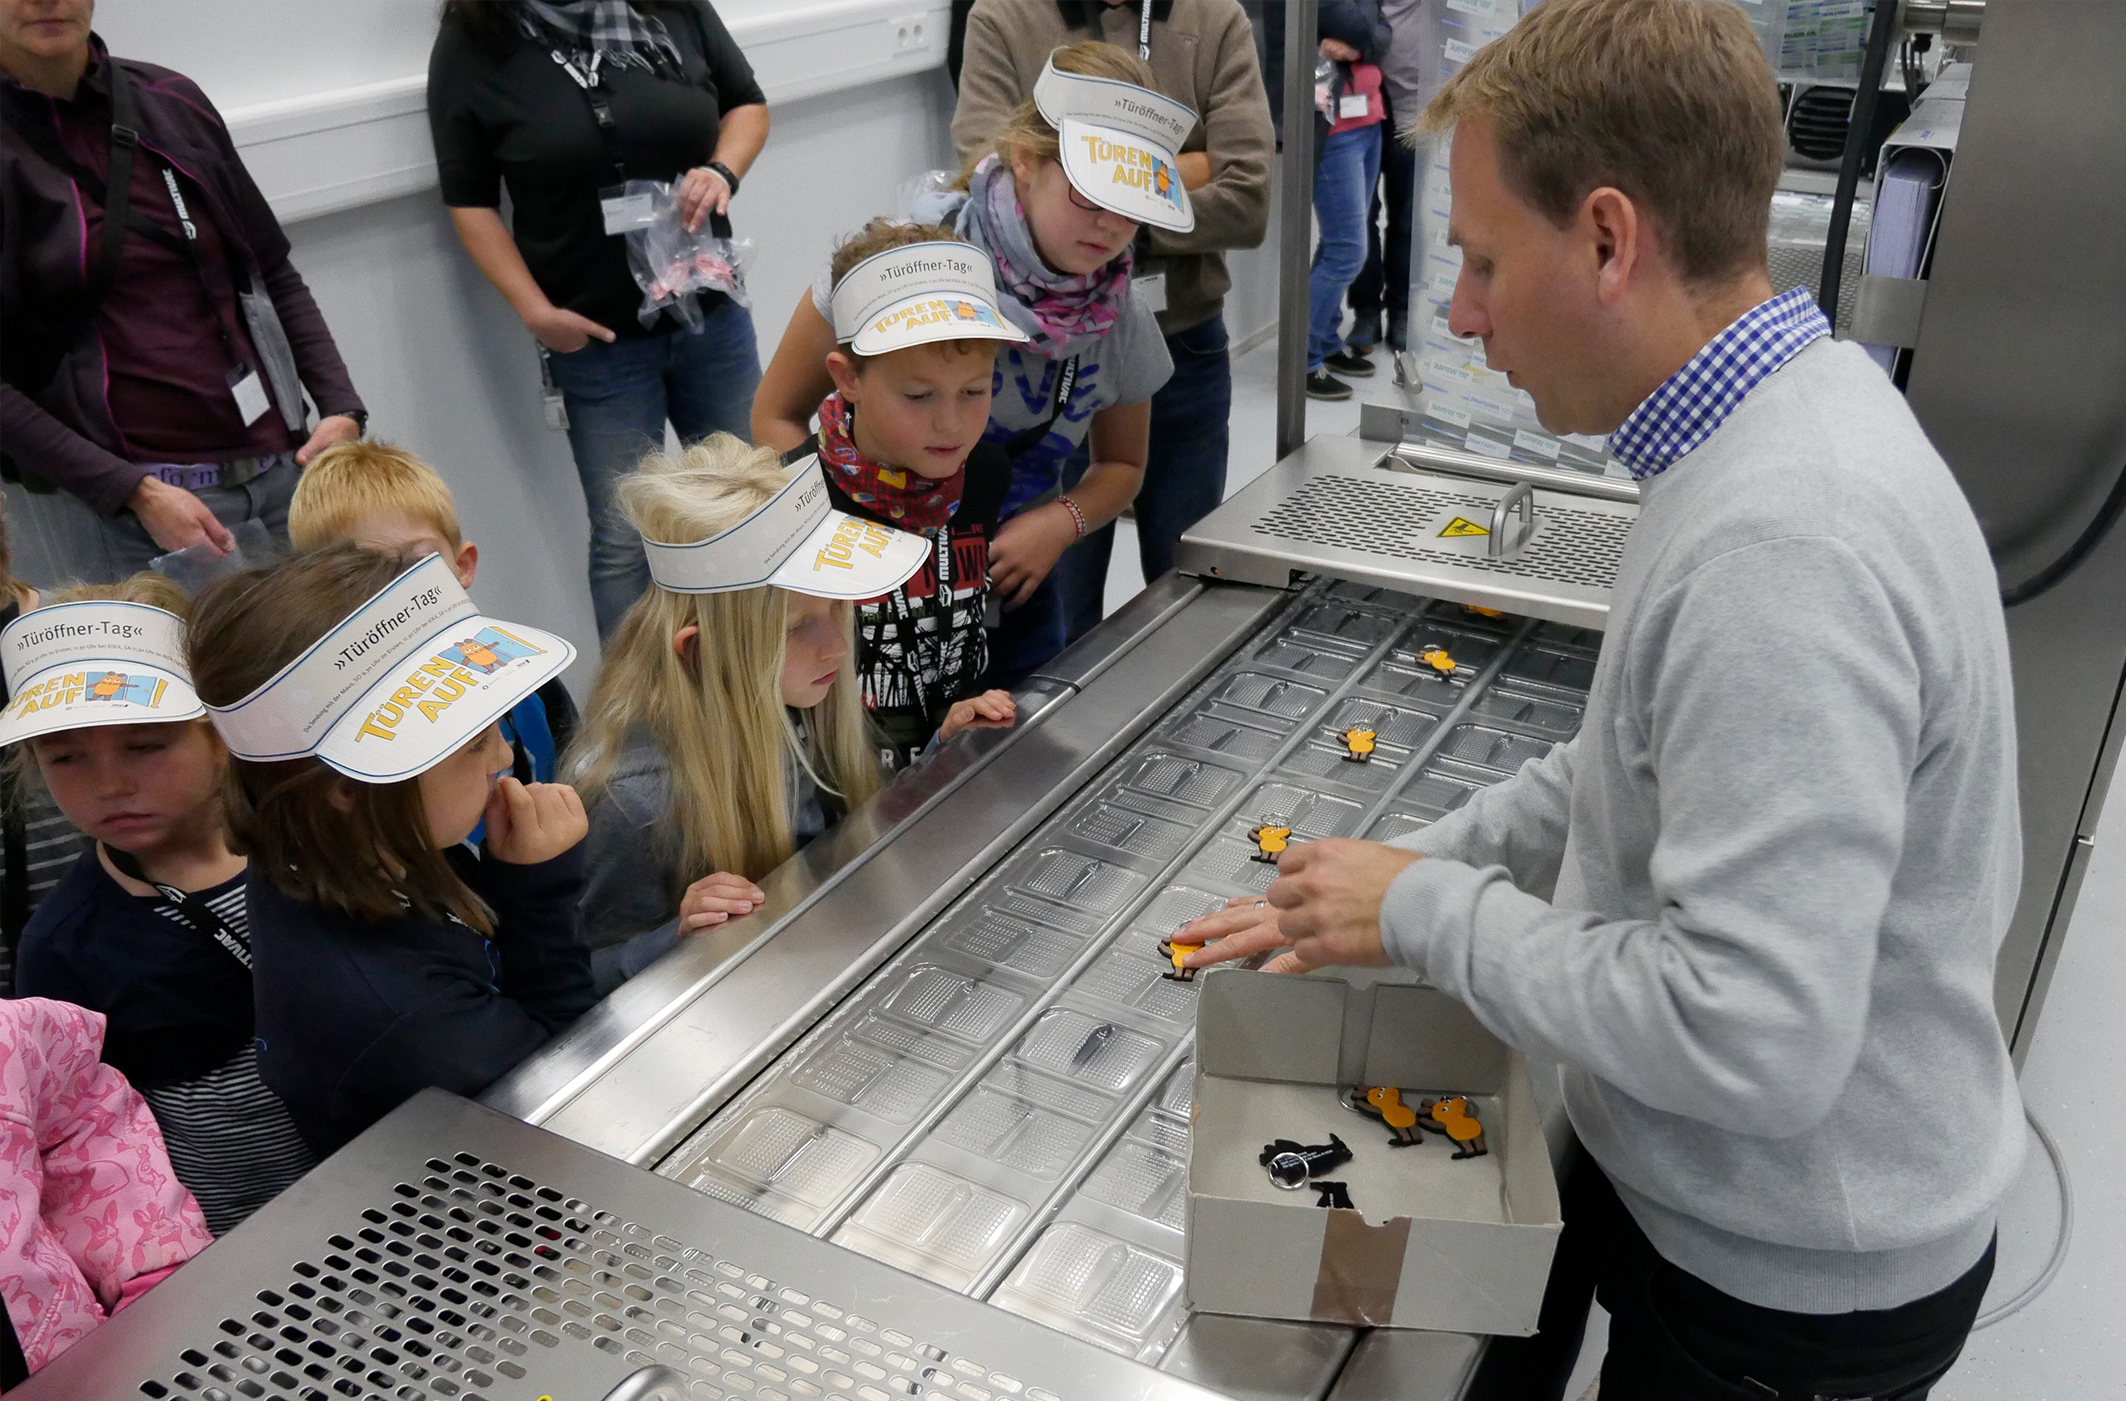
<point x="337" y="428"/>
<point x="1195" y="169"/>
<point x="1328" y="896"/>
<point x="530" y="823"/>
<point x="561" y="330"/>
<point x="988" y="708"/>
<point x="176" y="519"/>
<point x="715" y="899"/>
<point x="1026" y="548"/>
<point x="1245" y="927"/>
<point x="701" y="192"/>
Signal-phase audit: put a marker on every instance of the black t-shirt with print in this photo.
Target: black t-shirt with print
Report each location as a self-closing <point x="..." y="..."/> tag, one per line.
<point x="503" y="112"/>
<point x="922" y="647"/>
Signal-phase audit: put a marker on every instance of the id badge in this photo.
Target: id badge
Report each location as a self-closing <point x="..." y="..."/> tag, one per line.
<point x="550" y="400"/>
<point x="624" y="211"/>
<point x="1353" y="104"/>
<point x="249" y="391"/>
<point x="1151" y="290"/>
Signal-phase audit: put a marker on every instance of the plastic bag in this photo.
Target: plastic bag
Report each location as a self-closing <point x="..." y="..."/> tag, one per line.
<point x="673" y="266"/>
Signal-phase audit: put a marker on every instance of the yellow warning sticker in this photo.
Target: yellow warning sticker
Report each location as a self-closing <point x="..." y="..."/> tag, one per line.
<point x="1461" y="527"/>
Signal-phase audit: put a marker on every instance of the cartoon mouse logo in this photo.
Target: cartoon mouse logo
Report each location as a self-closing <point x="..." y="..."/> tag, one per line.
<point x="479" y="654"/>
<point x="109" y="686"/>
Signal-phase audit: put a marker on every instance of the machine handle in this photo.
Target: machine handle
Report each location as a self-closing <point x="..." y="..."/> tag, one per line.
<point x="1520" y="497"/>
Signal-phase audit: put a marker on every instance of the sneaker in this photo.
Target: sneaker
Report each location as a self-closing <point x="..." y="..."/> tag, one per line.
<point x="1323" y="385"/>
<point x="1349" y="362"/>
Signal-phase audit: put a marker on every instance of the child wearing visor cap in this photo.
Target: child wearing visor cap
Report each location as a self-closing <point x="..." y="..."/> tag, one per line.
<point x="900" y="442"/>
<point x="1056" y="202"/>
<point x="149" y="926"/>
<point x="728" y="727"/>
<point x="359" y="697"/>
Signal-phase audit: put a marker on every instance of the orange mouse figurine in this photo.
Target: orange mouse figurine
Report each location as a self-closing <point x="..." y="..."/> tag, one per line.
<point x="1269" y="841"/>
<point x="1452" y="1114"/>
<point x="1175" y="952"/>
<point x="1358" y="744"/>
<point x="1387" y="1105"/>
<point x="1437" y="658"/>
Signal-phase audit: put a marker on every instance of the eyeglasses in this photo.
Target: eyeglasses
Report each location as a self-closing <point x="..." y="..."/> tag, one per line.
<point x="1082" y="202"/>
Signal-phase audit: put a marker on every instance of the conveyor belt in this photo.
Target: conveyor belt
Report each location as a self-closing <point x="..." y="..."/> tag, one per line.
<point x="1003" y="1107"/>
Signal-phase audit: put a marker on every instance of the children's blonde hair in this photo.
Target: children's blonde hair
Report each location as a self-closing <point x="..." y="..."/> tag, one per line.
<point x="1027" y="130"/>
<point x="351" y="483"/>
<point x="882" y="235"/>
<point x="717" y="713"/>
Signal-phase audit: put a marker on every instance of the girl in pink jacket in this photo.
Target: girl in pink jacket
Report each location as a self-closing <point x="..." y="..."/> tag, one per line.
<point x="91" y="1216"/>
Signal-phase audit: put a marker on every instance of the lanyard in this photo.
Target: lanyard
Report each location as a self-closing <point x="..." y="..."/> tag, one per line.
<point x="199" y="263"/>
<point x="597" y="93"/>
<point x="196" y="911"/>
<point x="1144" y="32"/>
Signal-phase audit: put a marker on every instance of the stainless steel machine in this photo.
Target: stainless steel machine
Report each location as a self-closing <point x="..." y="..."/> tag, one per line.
<point x="917" y="1126"/>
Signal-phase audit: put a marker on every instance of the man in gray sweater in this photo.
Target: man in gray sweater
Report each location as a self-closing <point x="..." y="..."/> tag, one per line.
<point x="1751" y="912"/>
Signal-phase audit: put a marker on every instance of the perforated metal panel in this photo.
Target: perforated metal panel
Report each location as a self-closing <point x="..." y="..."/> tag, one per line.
<point x="452" y="1254"/>
<point x="1333" y="509"/>
<point x="1386" y="518"/>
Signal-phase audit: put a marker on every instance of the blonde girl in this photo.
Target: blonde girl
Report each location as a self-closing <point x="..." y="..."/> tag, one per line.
<point x="726" y="731"/>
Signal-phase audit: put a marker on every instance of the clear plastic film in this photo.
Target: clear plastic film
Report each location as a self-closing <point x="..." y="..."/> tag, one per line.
<point x="674" y="265"/>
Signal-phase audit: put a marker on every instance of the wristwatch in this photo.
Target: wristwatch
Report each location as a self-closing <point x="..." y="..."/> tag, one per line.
<point x="360" y="417"/>
<point x="730" y="177"/>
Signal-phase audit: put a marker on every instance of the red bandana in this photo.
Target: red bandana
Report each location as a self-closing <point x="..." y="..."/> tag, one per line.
<point x="896" y="495"/>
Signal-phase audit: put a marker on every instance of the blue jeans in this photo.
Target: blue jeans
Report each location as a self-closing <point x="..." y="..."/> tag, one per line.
<point x="1029" y="636"/>
<point x="1184" y="477"/>
<point x="618" y="397"/>
<point x="1344" y="176"/>
<point x="1383" y="286"/>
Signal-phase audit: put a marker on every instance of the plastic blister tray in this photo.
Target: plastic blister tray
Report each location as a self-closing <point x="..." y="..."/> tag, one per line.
<point x="1421" y="684"/>
<point x="1307" y="812"/>
<point x="891" y="1087"/>
<point x="1392" y="724"/>
<point x="1015" y="1131"/>
<point x="1133" y="974"/>
<point x="782" y="1164"/>
<point x="1229" y="862"/>
<point x="1141" y="1179"/>
<point x="1133" y="833"/>
<point x="1006" y="940"/>
<point x="1493" y="748"/>
<point x="940" y="999"/>
<point x="933" y="1223"/>
<point x="1081" y="1047"/>
<point x="1565" y="635"/>
<point x="1272" y="695"/>
<point x="1554" y="716"/>
<point x="1079" y="882"/>
<point x="1441" y="788"/>
<point x="920" y="1043"/>
<point x="1360" y="627"/>
<point x="1391" y="825"/>
<point x="1091" y="1285"/>
<point x="1309" y="656"/>
<point x="1568" y="671"/>
<point x="1175" y="906"/>
<point x="1332" y="764"/>
<point x="1211" y="729"/>
<point x="1472" y="650"/>
<point x="1182" y="779"/>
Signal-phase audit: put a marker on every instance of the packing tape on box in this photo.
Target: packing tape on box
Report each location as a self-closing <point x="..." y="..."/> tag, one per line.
<point x="1361" y="1269"/>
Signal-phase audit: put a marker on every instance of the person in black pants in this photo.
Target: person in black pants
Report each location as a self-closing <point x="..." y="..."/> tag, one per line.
<point x="561" y="100"/>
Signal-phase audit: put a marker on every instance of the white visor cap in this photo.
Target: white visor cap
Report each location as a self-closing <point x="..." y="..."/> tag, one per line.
<point x="101" y="663"/>
<point x="1121" y="145"/>
<point x="917" y="294"/>
<point x="795" y="541"/>
<point x="411" y="677"/>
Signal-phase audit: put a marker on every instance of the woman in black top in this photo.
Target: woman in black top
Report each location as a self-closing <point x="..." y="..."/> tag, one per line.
<point x="514" y="87"/>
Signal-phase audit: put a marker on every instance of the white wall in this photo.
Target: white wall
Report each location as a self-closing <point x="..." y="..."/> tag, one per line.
<point x="323" y="98"/>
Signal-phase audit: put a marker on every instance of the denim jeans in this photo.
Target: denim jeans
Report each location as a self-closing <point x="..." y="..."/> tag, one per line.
<point x="618" y="397"/>
<point x="1344" y="176"/>
<point x="1383" y="285"/>
<point x="1029" y="636"/>
<point x="1184" y="477"/>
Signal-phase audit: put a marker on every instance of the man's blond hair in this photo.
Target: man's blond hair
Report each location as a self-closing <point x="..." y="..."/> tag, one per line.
<point x="1669" y="101"/>
<point x="352" y="483"/>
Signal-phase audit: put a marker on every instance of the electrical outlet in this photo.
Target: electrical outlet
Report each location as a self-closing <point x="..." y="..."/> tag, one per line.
<point x="911" y="33"/>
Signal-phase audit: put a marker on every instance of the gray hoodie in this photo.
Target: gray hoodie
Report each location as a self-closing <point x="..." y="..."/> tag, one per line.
<point x="1752" y="911"/>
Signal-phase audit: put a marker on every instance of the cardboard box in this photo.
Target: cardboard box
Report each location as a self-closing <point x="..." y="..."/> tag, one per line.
<point x="1435" y="1242"/>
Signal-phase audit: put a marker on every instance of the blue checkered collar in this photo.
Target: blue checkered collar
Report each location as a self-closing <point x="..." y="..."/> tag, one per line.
<point x="1697" y="399"/>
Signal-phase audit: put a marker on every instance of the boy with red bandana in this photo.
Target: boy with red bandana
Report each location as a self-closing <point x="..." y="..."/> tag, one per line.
<point x="899" y="440"/>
